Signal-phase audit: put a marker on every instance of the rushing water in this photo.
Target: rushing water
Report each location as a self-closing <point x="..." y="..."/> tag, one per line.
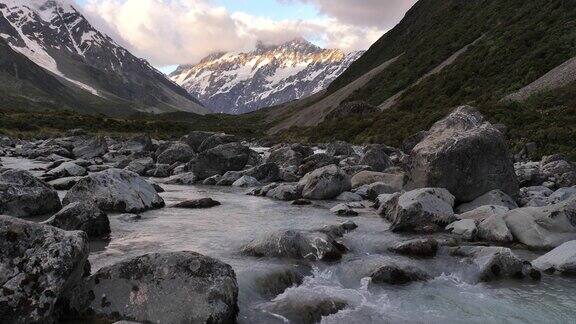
<point x="221" y="231"/>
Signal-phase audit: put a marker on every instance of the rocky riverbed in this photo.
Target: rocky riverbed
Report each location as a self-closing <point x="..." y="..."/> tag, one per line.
<point x="450" y="228"/>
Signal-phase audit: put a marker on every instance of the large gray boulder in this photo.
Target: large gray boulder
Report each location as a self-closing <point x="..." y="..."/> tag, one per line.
<point x="66" y="169"/>
<point x="90" y="148"/>
<point x="285" y="191"/>
<point x="562" y="259"/>
<point x="493" y="263"/>
<point x="115" y="190"/>
<point x="38" y="264"/>
<point x="176" y="287"/>
<point x="465" y="155"/>
<point x="177" y="152"/>
<point x="325" y="183"/>
<point x="139" y="143"/>
<point x="140" y="166"/>
<point x="220" y="159"/>
<point x="289" y="155"/>
<point x="340" y="148"/>
<point x="217" y="139"/>
<point x="394" y="273"/>
<point x="494" y="229"/>
<point x="311" y="245"/>
<point x="420" y="210"/>
<point x="195" y="139"/>
<point x="483" y="212"/>
<point x="23" y="195"/>
<point x="267" y="172"/>
<point x="492" y="198"/>
<point x="376" y="158"/>
<point x="82" y="216"/>
<point x="543" y="227"/>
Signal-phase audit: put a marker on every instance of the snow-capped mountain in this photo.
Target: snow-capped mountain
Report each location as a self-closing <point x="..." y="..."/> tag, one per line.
<point x="270" y="75"/>
<point x="56" y="36"/>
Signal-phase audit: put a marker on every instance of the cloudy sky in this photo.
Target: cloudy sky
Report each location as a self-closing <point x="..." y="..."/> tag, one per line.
<point x="171" y="32"/>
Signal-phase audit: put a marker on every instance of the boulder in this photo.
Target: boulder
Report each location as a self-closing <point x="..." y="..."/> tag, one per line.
<point x="229" y="178"/>
<point x="195" y="139"/>
<point x="66" y="169"/>
<point x="212" y="181"/>
<point x="340" y="148"/>
<point x="484" y="212"/>
<point x="141" y="166"/>
<point x="308" y="307"/>
<point x="159" y="171"/>
<point x="465" y="228"/>
<point x="115" y="190"/>
<point x="90" y="148"/>
<point x="349" y="196"/>
<point x="216" y="140"/>
<point x="559" y="168"/>
<point x="420" y="210"/>
<point x="220" y="159"/>
<point x="23" y="195"/>
<point x="465" y="155"/>
<point x="394" y="181"/>
<point x="289" y="155"/>
<point x="285" y="191"/>
<point x="339" y="230"/>
<point x="185" y="179"/>
<point x="246" y="182"/>
<point x="138" y="144"/>
<point x="39" y="263"/>
<point x="494" y="229"/>
<point x="325" y="183"/>
<point x="268" y="172"/>
<point x="416" y="247"/>
<point x="177" y="152"/>
<point x="493" y="198"/>
<point x="316" y="161"/>
<point x="494" y="263"/>
<point x="275" y="282"/>
<point x="376" y="158"/>
<point x="343" y="210"/>
<point x="393" y="273"/>
<point x="81" y="216"/>
<point x="197" y="203"/>
<point x="562" y="259"/>
<point x="175" y="287"/>
<point x="64" y="183"/>
<point x="543" y="227"/>
<point x="311" y="245"/>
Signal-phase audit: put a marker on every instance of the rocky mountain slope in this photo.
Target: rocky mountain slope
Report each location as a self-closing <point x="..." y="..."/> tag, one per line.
<point x="57" y="37"/>
<point x="448" y="53"/>
<point x="270" y="75"/>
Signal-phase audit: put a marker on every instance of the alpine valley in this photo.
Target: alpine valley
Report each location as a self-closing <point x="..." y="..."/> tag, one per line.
<point x="237" y="83"/>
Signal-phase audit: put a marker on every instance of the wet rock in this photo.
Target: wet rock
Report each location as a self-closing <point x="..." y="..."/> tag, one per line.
<point x="81" y="216"/>
<point x="216" y="140"/>
<point x="176" y="287"/>
<point x="220" y="159"/>
<point x="212" y="181"/>
<point x="308" y="307"/>
<point x="296" y="245"/>
<point x="229" y="178"/>
<point x="268" y="172"/>
<point x="493" y="198"/>
<point x="64" y="183"/>
<point x="484" y="212"/>
<point x="325" y="183"/>
<point x="141" y="166"/>
<point x="289" y="155"/>
<point x="543" y="227"/>
<point x="314" y="162"/>
<point x="90" y="148"/>
<point x="340" y="148"/>
<point x="66" y="169"/>
<point x="465" y="155"/>
<point x="561" y="259"/>
<point x="288" y="175"/>
<point x="159" y="171"/>
<point x="376" y="158"/>
<point x="275" y="282"/>
<point x="420" y="210"/>
<point x="129" y="218"/>
<point x="185" y="179"/>
<point x="39" y="263"/>
<point x="398" y="274"/>
<point x="465" y="228"/>
<point x="494" y="229"/>
<point x="197" y="203"/>
<point x="138" y="144"/>
<point x="340" y="229"/>
<point x="285" y="191"/>
<point x="416" y="247"/>
<point x="394" y="181"/>
<point x="177" y="152"/>
<point x="23" y="195"/>
<point x="246" y="182"/>
<point x="344" y="211"/>
<point x="492" y="262"/>
<point x="115" y="190"/>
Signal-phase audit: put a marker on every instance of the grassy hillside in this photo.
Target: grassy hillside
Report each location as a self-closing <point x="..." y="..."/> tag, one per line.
<point x="518" y="41"/>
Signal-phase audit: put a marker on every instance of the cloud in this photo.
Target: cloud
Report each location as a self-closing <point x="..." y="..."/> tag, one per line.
<point x="168" y="32"/>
